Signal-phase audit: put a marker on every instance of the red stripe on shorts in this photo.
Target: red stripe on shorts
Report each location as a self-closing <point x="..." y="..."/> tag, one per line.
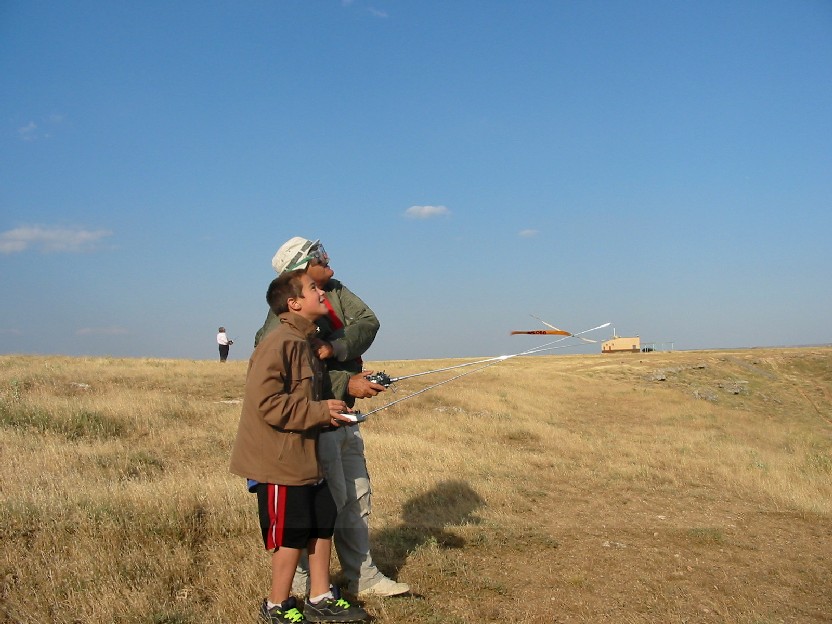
<point x="277" y="516"/>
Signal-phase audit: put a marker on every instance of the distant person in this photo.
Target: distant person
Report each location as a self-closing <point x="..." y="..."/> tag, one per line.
<point x="345" y="334"/>
<point x="276" y="447"/>
<point x="224" y="343"/>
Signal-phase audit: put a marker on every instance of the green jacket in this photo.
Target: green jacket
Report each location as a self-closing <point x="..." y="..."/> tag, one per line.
<point x="349" y="342"/>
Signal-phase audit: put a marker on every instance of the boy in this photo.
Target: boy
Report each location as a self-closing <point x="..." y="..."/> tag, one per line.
<point x="276" y="447"/>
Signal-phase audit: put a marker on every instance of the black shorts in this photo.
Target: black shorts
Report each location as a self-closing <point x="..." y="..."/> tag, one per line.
<point x="291" y="515"/>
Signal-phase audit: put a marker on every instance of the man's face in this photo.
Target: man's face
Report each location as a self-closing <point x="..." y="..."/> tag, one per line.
<point x="318" y="269"/>
<point x="311" y="300"/>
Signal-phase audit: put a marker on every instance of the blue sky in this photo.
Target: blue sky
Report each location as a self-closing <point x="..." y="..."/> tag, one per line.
<point x="662" y="165"/>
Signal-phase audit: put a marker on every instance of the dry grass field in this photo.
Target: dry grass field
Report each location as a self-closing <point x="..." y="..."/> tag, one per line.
<point x="658" y="487"/>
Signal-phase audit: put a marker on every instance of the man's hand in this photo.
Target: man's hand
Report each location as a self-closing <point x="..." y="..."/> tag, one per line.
<point x="362" y="388"/>
<point x="322" y="349"/>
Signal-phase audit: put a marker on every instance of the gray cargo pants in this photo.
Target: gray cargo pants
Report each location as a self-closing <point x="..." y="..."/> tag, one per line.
<point x="341" y="452"/>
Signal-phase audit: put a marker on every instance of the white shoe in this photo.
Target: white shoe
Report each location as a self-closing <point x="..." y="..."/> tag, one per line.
<point x="383" y="587"/>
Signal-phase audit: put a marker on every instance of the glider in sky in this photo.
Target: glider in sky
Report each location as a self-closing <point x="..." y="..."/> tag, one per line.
<point x="555" y="331"/>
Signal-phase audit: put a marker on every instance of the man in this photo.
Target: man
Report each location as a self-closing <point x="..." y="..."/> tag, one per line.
<point x="224" y="342"/>
<point x="346" y="332"/>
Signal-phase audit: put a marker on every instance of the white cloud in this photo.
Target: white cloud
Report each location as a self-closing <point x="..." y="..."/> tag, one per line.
<point x="33" y="132"/>
<point x="426" y="212"/>
<point x="11" y="246"/>
<point x="28" y="132"/>
<point x="377" y="12"/>
<point x="51" y="239"/>
<point x="101" y="331"/>
<point x="527" y="233"/>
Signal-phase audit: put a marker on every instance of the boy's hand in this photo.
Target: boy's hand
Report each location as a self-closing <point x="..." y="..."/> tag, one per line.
<point x="323" y="349"/>
<point x="361" y="388"/>
<point x="336" y="407"/>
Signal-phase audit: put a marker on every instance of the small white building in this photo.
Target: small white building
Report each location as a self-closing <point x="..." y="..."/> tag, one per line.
<point x="618" y="344"/>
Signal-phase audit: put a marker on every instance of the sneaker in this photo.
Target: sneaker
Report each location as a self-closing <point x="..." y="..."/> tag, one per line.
<point x="285" y="612"/>
<point x="334" y="609"/>
<point x="384" y="587"/>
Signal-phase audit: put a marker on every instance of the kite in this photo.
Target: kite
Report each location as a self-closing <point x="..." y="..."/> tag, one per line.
<point x="385" y="380"/>
<point x="555" y="331"/>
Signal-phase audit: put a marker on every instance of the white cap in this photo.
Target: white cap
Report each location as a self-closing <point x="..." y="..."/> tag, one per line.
<point x="293" y="254"/>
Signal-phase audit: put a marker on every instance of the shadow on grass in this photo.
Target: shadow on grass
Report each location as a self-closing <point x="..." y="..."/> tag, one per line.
<point x="426" y="519"/>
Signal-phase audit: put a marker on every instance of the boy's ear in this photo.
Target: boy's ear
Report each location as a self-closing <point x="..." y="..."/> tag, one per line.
<point x="293" y="303"/>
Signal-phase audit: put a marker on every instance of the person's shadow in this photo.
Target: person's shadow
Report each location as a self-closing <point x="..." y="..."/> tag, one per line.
<point x="425" y="519"/>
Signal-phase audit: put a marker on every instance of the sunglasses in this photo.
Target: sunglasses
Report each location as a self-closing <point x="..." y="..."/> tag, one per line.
<point x="316" y="254"/>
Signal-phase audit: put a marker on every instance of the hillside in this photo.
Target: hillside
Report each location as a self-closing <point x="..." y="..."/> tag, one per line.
<point x="660" y="487"/>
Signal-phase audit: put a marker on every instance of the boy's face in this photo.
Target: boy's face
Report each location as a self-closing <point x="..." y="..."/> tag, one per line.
<point x="310" y="305"/>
